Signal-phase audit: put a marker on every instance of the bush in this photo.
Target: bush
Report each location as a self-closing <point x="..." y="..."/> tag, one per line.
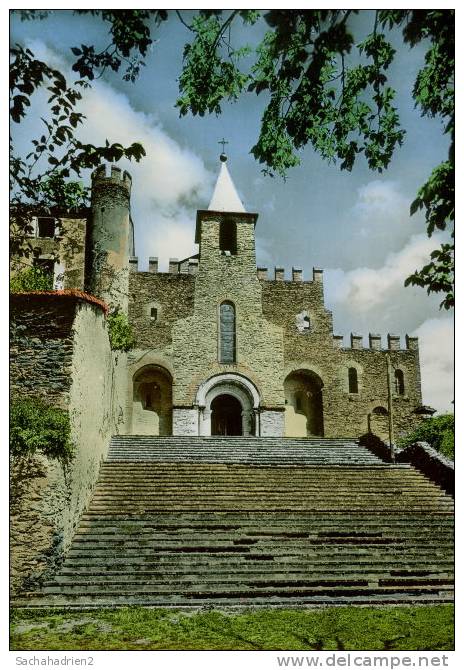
<point x="31" y="279"/>
<point x="120" y="332"/>
<point x="438" y="431"/>
<point x="35" y="426"/>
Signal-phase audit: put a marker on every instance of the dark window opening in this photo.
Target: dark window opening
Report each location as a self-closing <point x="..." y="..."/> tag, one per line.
<point x="45" y="226"/>
<point x="298" y="405"/>
<point x="352" y="380"/>
<point x="399" y="382"/>
<point x="228" y="237"/>
<point x="153" y="314"/>
<point x="306" y="323"/>
<point x="227" y="351"/>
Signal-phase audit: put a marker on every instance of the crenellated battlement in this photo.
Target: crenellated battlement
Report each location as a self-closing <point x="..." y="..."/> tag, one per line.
<point x="187" y="266"/>
<point x="110" y="174"/>
<point x="375" y="342"/>
<point x="296" y="274"/>
<point x="190" y="266"/>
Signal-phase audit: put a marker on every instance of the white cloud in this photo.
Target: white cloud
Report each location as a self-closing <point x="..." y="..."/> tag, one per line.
<point x="366" y="300"/>
<point x="437" y="362"/>
<point x="165" y="182"/>
<point x="381" y="198"/>
<point x="166" y="238"/>
<point x="366" y="288"/>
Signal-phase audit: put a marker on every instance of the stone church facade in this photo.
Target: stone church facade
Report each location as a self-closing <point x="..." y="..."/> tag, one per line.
<point x="221" y="347"/>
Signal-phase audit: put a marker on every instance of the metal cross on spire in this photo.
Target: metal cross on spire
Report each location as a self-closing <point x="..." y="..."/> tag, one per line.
<point x="223" y="142"/>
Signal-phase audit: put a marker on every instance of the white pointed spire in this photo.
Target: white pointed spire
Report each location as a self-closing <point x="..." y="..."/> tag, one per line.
<point x="225" y="197"/>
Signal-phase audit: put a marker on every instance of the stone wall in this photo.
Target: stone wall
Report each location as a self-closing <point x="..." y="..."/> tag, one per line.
<point x="195" y="339"/>
<point x="67" y="249"/>
<point x="72" y="252"/>
<point x="171" y="295"/>
<point x="60" y="351"/>
<point x="315" y="349"/>
<point x="282" y="327"/>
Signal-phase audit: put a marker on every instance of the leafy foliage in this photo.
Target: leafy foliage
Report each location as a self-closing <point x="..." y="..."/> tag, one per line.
<point x="45" y="180"/>
<point x="315" y="95"/>
<point x="31" y="279"/>
<point x="120" y="332"/>
<point x="303" y="66"/>
<point x="35" y="426"/>
<point x="438" y="431"/>
<point x="207" y="78"/>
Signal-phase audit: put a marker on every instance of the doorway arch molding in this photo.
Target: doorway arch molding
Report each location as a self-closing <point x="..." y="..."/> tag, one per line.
<point x="228" y="382"/>
<point x="231" y="384"/>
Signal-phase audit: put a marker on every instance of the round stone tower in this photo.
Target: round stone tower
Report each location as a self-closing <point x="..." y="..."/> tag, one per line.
<point x="111" y="236"/>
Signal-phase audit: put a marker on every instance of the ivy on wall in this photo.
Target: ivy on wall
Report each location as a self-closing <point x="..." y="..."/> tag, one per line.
<point x="120" y="331"/>
<point x="36" y="427"/>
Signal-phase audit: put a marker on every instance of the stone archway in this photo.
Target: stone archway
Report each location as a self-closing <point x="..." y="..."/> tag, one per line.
<point x="228" y="394"/>
<point x="303" y="404"/>
<point x="152" y="401"/>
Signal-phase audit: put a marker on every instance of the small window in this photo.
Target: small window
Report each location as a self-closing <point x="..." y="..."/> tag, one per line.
<point x="352" y="380"/>
<point x="153" y="314"/>
<point x="306" y="324"/>
<point x="399" y="382"/>
<point x="45" y="226"/>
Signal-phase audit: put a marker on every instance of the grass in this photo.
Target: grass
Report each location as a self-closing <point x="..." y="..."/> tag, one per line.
<point x="337" y="628"/>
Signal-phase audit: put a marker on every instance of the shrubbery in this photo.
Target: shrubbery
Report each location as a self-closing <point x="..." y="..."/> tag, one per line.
<point x="31" y="279"/>
<point x="438" y="431"/>
<point x="120" y="331"/>
<point x="35" y="426"/>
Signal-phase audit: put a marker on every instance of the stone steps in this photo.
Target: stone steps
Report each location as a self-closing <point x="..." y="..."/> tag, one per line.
<point x="231" y="534"/>
<point x="248" y="450"/>
<point x="237" y="600"/>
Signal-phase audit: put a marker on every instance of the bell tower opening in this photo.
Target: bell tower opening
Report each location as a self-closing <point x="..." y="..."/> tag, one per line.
<point x="228" y="237"/>
<point x="226" y="415"/>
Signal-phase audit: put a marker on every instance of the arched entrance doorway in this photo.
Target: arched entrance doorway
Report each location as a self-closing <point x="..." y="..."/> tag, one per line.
<point x="152" y="401"/>
<point x="228" y="405"/>
<point x="303" y="404"/>
<point x="226" y="415"/>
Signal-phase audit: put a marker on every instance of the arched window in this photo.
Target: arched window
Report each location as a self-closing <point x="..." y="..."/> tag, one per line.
<point x="227" y="347"/>
<point x="399" y="382"/>
<point x="352" y="380"/>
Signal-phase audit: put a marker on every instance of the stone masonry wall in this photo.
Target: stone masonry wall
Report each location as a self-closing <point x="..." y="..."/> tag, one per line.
<point x="60" y="351"/>
<point x="171" y="295"/>
<point x="195" y="339"/>
<point x="67" y="249"/>
<point x="344" y="414"/>
<point x="41" y="347"/>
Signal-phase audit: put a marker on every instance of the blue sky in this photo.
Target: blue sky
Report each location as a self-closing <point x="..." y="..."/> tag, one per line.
<point x="354" y="225"/>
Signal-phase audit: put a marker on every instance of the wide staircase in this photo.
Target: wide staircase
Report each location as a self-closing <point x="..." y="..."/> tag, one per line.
<point x="255" y="522"/>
